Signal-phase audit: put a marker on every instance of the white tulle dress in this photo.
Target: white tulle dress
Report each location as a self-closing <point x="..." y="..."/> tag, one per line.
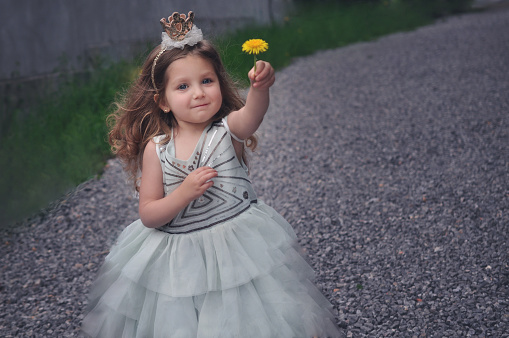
<point x="227" y="266"/>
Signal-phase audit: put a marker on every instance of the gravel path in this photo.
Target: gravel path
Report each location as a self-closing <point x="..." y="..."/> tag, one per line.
<point x="390" y="158"/>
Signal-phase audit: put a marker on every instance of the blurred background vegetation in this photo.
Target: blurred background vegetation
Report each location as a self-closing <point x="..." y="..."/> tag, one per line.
<point x="63" y="141"/>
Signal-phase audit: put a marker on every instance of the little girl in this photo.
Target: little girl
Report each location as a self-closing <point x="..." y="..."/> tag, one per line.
<point x="206" y="258"/>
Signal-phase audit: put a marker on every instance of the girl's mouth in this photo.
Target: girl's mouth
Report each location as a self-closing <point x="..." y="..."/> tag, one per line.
<point x="200" y="105"/>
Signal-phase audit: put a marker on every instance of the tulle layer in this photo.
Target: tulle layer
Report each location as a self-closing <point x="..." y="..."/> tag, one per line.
<point x="243" y="278"/>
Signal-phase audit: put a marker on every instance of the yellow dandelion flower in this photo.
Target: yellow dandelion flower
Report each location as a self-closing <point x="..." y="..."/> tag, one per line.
<point x="255" y="46"/>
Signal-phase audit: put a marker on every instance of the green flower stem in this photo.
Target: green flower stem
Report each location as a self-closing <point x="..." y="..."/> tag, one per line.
<point x="254" y="63"/>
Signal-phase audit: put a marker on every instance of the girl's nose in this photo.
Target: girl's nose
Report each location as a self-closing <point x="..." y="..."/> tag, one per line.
<point x="199" y="92"/>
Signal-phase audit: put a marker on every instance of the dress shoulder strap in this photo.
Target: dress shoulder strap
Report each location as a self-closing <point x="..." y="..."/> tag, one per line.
<point x="225" y="124"/>
<point x="160" y="148"/>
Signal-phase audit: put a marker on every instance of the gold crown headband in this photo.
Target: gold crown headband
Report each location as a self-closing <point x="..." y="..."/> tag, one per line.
<point x="178" y="32"/>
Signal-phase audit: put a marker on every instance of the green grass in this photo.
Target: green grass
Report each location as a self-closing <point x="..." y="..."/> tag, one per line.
<point x="63" y="142"/>
<point x="316" y="27"/>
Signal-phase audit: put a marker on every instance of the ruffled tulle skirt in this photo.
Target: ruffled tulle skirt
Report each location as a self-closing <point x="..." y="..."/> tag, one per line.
<point x="241" y="278"/>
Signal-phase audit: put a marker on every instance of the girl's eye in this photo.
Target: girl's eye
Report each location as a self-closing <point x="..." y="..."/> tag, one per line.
<point x="207" y="81"/>
<point x="182" y="87"/>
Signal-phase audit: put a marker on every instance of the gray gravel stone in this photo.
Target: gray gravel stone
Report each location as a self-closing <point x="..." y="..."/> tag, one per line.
<point x="391" y="160"/>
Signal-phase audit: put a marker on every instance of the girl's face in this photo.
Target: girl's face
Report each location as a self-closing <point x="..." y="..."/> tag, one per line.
<point x="193" y="93"/>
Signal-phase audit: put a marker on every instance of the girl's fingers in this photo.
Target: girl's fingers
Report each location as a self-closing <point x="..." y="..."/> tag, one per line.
<point x="200" y="169"/>
<point x="260" y="66"/>
<point x="251" y="74"/>
<point x="265" y="83"/>
<point x="208" y="178"/>
<point x="206" y="174"/>
<point x="264" y="78"/>
<point x="203" y="171"/>
<point x="261" y="70"/>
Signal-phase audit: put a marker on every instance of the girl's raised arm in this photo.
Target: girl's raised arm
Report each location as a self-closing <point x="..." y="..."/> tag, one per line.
<point x="244" y="122"/>
<point x="156" y="209"/>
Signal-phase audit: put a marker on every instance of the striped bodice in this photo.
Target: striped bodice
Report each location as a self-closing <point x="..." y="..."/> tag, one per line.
<point x="231" y="193"/>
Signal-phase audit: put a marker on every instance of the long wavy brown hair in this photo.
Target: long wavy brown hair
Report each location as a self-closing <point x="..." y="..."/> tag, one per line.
<point x="138" y="117"/>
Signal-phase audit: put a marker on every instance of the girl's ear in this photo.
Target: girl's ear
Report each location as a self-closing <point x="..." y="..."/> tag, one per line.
<point x="162" y="104"/>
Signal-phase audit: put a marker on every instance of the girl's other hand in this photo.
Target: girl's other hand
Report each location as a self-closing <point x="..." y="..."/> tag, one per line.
<point x="196" y="183"/>
<point x="264" y="77"/>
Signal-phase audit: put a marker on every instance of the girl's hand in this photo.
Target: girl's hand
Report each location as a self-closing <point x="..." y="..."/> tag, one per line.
<point x="196" y="183"/>
<point x="264" y="77"/>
